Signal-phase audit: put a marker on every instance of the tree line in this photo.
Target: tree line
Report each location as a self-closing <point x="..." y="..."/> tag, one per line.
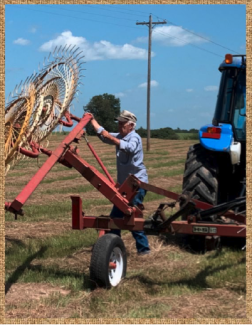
<point x="106" y="107"/>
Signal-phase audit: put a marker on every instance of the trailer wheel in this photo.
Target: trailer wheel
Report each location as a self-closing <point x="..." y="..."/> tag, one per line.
<point x="200" y="175"/>
<point x="108" y="261"/>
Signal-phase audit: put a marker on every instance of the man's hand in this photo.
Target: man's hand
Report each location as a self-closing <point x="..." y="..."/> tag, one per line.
<point x="91" y="115"/>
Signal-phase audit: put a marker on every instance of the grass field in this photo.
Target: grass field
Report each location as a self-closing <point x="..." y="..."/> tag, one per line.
<point x="47" y="263"/>
<point x="188" y="136"/>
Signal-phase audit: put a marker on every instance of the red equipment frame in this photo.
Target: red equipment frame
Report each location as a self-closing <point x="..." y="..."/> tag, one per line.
<point x="119" y="195"/>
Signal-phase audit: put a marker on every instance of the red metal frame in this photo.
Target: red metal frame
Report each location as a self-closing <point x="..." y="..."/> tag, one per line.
<point x="80" y="221"/>
<point x="119" y="196"/>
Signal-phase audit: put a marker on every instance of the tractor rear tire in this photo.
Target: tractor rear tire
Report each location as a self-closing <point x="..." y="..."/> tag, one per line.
<point x="200" y="176"/>
<point x="200" y="180"/>
<point x="108" y="261"/>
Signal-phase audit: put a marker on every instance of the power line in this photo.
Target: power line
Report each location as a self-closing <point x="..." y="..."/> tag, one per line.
<point x="111" y="7"/>
<point x="88" y="19"/>
<point x="54" y="13"/>
<point x="187" y="30"/>
<point x="202" y="37"/>
<point x="188" y="43"/>
<point x="94" y="14"/>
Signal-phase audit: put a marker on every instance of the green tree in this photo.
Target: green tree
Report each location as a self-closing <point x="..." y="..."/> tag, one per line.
<point x="104" y="108"/>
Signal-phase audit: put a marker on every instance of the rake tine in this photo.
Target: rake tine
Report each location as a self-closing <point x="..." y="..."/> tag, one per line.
<point x="16" y="89"/>
<point x="20" y="83"/>
<point x="78" y="54"/>
<point x="63" y="49"/>
<point x="8" y="98"/>
<point x="79" y="65"/>
<point x="82" y="62"/>
<point x="80" y="58"/>
<point x="67" y="48"/>
<point x="73" y="48"/>
<point x="70" y="49"/>
<point x="59" y="50"/>
<point x="54" y="50"/>
<point x="30" y="79"/>
<point x="26" y="80"/>
<point x="48" y="56"/>
<point x="34" y="77"/>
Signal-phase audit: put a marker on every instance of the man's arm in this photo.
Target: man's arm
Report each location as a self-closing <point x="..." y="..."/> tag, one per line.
<point x="104" y="133"/>
<point x="95" y="124"/>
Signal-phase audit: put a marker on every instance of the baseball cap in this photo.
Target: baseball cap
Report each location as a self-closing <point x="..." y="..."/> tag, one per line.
<point x="126" y="116"/>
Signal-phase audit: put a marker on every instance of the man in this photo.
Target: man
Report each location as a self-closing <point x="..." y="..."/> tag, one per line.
<point x="129" y="159"/>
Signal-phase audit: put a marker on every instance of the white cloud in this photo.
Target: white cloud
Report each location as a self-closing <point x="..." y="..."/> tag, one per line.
<point x="189" y="90"/>
<point x="211" y="88"/>
<point x="172" y="36"/>
<point x="33" y="29"/>
<point x="120" y="94"/>
<point x="143" y="39"/>
<point x="153" y="83"/>
<point x="101" y="50"/>
<point x="21" y="41"/>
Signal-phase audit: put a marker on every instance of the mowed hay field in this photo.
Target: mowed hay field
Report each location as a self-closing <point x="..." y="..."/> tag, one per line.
<point x="47" y="263"/>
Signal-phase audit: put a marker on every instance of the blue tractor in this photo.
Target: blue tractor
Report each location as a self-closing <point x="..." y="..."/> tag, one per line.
<point x="215" y="169"/>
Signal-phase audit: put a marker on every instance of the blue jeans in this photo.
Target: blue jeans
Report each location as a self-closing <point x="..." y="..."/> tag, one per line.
<point x="142" y="243"/>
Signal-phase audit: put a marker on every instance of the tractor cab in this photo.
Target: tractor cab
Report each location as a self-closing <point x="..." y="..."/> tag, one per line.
<point x="231" y="103"/>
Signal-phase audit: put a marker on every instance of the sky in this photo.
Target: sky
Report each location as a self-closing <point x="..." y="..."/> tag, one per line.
<point x="186" y="54"/>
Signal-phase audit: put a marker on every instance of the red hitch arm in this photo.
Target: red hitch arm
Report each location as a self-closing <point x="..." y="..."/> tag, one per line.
<point x="50" y="162"/>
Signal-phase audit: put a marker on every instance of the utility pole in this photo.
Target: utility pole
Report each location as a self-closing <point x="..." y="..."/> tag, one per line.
<point x="150" y="23"/>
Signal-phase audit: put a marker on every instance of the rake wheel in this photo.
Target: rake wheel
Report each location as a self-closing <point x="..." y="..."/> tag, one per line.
<point x="37" y="112"/>
<point x="17" y="122"/>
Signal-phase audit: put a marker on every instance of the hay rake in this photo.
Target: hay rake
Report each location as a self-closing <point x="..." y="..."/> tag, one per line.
<point x="39" y="103"/>
<point x="109" y="260"/>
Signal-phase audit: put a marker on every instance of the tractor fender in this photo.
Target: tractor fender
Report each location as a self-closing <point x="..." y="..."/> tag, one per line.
<point x="222" y="144"/>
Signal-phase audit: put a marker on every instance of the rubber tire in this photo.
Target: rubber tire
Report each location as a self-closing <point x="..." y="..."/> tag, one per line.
<point x="200" y="175"/>
<point x="200" y="180"/>
<point x="100" y="259"/>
